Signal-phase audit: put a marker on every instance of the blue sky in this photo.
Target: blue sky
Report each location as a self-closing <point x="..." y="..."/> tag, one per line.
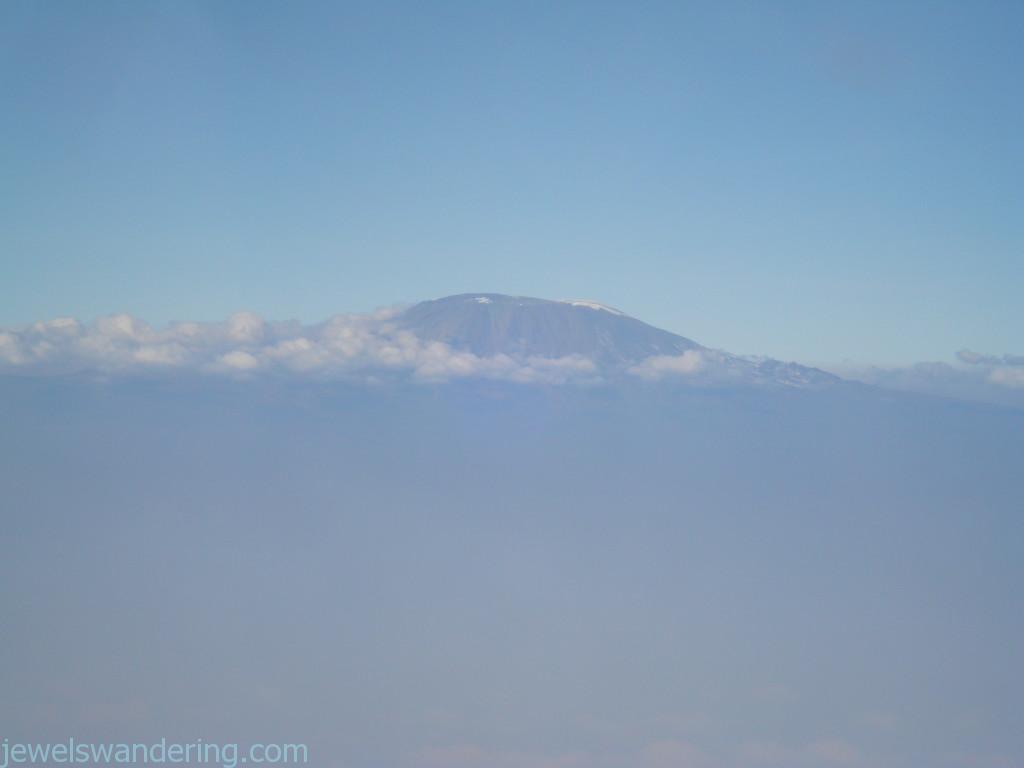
<point x="807" y="180"/>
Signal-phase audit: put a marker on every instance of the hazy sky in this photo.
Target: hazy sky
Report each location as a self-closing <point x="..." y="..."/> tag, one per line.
<point x="807" y="180"/>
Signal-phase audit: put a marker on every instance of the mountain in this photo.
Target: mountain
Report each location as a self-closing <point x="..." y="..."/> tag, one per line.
<point x="522" y="327"/>
<point x="490" y="324"/>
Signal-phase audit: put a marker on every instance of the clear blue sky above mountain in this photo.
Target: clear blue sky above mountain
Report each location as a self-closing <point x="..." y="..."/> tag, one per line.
<point x="811" y="181"/>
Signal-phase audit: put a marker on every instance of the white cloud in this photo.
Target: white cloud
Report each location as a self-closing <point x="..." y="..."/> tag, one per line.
<point x="238" y="361"/>
<point x="10" y="349"/>
<point x="123" y="327"/>
<point x="659" y="366"/>
<point x="246" y="345"/>
<point x="369" y="346"/>
<point x="66" y="325"/>
<point x="245" y="327"/>
<point x="160" y="354"/>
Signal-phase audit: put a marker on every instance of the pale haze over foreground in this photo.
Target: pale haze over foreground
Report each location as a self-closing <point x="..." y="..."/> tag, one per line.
<point x="500" y="531"/>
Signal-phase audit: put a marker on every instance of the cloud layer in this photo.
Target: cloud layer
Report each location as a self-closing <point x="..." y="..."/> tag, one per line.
<point x="997" y="379"/>
<point x="345" y="346"/>
<point x="373" y="346"/>
<point x="246" y="345"/>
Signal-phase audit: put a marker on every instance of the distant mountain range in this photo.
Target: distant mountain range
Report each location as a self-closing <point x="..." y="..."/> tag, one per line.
<point x="522" y="327"/>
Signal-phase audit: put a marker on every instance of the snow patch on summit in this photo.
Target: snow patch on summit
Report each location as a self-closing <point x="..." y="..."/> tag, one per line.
<point x="593" y="305"/>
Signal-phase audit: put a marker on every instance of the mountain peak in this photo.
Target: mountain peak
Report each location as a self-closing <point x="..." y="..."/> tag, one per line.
<point x="524" y="327"/>
<point x="489" y="324"/>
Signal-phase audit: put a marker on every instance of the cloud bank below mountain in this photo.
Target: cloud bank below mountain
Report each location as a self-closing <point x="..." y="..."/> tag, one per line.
<point x="246" y="345"/>
<point x="380" y="346"/>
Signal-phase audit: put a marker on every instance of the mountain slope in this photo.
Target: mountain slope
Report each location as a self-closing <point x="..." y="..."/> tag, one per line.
<point x="489" y="324"/>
